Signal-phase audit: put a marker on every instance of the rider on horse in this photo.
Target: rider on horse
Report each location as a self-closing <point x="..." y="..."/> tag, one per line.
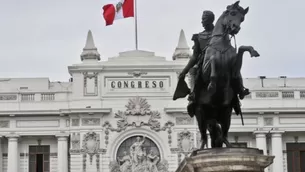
<point x="201" y="40"/>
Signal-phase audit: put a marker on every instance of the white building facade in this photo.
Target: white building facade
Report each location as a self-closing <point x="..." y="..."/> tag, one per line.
<point x="118" y="115"/>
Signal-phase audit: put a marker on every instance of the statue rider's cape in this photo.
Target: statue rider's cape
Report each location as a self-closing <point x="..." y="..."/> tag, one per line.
<point x="182" y="90"/>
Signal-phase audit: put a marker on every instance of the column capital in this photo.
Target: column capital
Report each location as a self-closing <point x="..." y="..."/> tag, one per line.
<point x="12" y="137"/>
<point x="260" y="134"/>
<point x="62" y="136"/>
<point x="276" y="133"/>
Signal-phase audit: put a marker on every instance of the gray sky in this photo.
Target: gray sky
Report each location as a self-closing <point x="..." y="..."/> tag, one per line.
<point x="41" y="38"/>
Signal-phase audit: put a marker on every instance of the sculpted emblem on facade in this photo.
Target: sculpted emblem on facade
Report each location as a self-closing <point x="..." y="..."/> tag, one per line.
<point x="91" y="143"/>
<point x="139" y="159"/>
<point x="137" y="107"/>
<point x="137" y="73"/>
<point x="185" y="143"/>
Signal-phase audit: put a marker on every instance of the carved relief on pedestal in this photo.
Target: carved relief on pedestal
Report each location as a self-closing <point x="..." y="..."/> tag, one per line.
<point x="138" y="154"/>
<point x="91" y="144"/>
<point x="130" y="118"/>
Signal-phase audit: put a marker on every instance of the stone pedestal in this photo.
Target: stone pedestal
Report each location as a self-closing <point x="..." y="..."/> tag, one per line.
<point x="226" y="160"/>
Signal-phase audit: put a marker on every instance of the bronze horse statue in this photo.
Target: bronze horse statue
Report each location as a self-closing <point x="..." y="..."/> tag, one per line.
<point x="219" y="85"/>
<point x="221" y="80"/>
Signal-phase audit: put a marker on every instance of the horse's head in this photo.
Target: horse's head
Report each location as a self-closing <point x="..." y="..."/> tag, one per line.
<point x="233" y="17"/>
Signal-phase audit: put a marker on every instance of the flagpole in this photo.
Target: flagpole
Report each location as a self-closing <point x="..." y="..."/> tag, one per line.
<point x="136" y="24"/>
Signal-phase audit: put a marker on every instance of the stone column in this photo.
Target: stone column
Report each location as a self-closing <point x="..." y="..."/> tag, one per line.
<point x="261" y="142"/>
<point x="277" y="151"/>
<point x="62" y="152"/>
<point x="13" y="155"/>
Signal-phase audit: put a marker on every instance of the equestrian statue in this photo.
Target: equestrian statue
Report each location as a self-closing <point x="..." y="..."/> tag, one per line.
<point x="215" y="71"/>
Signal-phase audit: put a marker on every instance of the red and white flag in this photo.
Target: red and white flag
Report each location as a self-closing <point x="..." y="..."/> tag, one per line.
<point x="117" y="9"/>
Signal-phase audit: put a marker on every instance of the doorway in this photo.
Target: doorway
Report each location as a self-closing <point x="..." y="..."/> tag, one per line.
<point x="296" y="157"/>
<point x="39" y="158"/>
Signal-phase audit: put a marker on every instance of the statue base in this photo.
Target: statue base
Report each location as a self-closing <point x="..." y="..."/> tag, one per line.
<point x="226" y="160"/>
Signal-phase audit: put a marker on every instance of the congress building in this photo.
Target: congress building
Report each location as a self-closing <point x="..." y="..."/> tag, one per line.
<point x="118" y="116"/>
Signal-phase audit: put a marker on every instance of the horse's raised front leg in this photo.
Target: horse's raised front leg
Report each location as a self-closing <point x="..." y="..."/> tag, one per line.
<point x="236" y="74"/>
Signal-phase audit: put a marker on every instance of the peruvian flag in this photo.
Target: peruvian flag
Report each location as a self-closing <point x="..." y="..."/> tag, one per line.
<point x="117" y="9"/>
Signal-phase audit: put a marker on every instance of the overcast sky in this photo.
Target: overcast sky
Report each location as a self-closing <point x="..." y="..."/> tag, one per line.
<point x="40" y="38"/>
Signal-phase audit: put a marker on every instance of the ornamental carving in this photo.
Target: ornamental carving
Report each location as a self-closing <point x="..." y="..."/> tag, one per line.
<point x="91" y="121"/>
<point x="185" y="141"/>
<point x="8" y="97"/>
<point x="137" y="106"/>
<point x="130" y="118"/>
<point x="268" y="121"/>
<point x="4" y="124"/>
<point x="75" y="140"/>
<point x="91" y="143"/>
<point x="90" y="83"/>
<point x="136" y="156"/>
<point x="75" y="122"/>
<point x="137" y="73"/>
<point x="185" y="144"/>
